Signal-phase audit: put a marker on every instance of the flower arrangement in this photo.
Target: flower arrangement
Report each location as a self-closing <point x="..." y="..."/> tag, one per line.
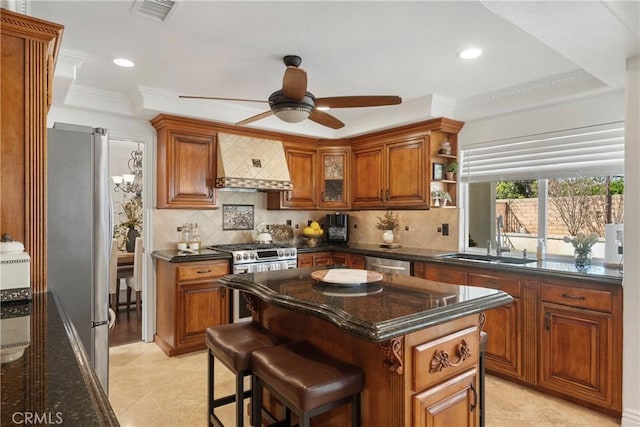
<point x="441" y="195"/>
<point x="387" y="222"/>
<point x="582" y="242"/>
<point x="132" y="213"/>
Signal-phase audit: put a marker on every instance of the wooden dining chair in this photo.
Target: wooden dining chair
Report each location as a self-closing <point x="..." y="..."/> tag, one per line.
<point x="134" y="283"/>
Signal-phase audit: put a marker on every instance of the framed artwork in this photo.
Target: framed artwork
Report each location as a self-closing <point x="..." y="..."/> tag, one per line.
<point x="438" y="171"/>
<point x="237" y="217"/>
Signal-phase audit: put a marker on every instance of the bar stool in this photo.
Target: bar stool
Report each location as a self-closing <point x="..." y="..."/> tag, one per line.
<point x="305" y="381"/>
<point x="484" y="338"/>
<point x="232" y="345"/>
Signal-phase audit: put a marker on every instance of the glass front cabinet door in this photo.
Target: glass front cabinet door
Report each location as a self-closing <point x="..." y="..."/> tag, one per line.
<point x="334" y="175"/>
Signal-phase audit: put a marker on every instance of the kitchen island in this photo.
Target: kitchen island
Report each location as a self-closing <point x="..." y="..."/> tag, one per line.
<point x="416" y="340"/>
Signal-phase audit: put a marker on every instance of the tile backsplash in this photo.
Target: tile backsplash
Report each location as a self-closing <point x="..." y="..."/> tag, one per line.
<point x="422" y="224"/>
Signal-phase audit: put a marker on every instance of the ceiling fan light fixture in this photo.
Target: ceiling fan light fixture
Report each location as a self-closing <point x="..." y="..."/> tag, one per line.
<point x="292" y="114"/>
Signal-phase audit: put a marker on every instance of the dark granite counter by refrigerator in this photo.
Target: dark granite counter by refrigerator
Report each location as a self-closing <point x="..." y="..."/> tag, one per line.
<point x="46" y="375"/>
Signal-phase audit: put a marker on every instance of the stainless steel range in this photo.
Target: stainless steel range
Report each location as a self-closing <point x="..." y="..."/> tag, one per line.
<point x="253" y="258"/>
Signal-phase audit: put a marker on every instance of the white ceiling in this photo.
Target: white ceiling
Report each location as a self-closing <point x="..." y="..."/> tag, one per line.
<point x="535" y="53"/>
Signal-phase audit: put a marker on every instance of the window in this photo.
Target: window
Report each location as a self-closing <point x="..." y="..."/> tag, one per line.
<point x="545" y="186"/>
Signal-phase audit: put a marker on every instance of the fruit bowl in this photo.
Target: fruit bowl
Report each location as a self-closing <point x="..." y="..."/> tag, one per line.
<point x="313" y="238"/>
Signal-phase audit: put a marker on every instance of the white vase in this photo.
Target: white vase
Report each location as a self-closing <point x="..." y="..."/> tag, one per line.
<point x="387" y="236"/>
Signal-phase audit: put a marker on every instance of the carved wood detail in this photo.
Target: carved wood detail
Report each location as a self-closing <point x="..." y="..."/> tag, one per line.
<point x="392" y="350"/>
<point x="483" y="319"/>
<point x="441" y="358"/>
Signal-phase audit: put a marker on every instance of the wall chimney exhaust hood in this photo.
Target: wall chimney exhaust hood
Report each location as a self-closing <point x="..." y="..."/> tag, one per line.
<point x="251" y="163"/>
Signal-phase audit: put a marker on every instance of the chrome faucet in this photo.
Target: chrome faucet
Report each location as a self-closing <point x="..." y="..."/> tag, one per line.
<point x="499" y="247"/>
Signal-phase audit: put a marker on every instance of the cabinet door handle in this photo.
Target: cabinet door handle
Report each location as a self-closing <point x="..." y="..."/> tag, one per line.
<point x="475" y="398"/>
<point x="203" y="271"/>
<point x="288" y="195"/>
<point x="381" y="194"/>
<point x="547" y="321"/>
<point x="580" y="298"/>
<point x="322" y="196"/>
<point x="387" y="194"/>
<point x="210" y="192"/>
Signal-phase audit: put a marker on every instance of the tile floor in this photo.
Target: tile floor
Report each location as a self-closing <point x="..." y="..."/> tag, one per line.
<point x="148" y="388"/>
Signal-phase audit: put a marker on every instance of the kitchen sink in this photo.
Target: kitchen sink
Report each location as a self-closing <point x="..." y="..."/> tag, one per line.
<point x="493" y="259"/>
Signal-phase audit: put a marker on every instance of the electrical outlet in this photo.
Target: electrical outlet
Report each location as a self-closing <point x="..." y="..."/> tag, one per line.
<point x="445" y="229"/>
<point x="288" y="222"/>
<point x="406" y="228"/>
<point x="355" y="226"/>
<point x="439" y="229"/>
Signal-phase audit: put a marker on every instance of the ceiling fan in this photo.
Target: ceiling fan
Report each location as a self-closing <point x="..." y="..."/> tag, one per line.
<point x="294" y="104"/>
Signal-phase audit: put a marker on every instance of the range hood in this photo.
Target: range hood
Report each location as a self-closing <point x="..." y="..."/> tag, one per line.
<point x="251" y="163"/>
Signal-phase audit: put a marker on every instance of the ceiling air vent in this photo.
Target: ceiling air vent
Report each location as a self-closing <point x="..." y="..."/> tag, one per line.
<point x="158" y="10"/>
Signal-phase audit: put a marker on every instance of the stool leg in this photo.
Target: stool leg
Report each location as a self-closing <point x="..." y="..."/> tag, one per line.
<point x="210" y="389"/>
<point x="256" y="401"/>
<point x="355" y="411"/>
<point x="239" y="399"/>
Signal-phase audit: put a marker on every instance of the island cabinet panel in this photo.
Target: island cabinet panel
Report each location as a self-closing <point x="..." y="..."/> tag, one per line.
<point x="453" y="403"/>
<point x="302" y="162"/>
<point x="186" y="164"/>
<point x="189" y="300"/>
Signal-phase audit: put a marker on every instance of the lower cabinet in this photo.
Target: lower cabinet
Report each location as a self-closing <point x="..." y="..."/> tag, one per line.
<point x="189" y="300"/>
<point x="350" y="260"/>
<point x="313" y="259"/>
<point x="562" y="336"/>
<point x="453" y="403"/>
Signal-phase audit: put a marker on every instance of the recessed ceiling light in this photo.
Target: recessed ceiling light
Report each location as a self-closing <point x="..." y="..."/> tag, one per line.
<point x="123" y="62"/>
<point x="470" y="53"/>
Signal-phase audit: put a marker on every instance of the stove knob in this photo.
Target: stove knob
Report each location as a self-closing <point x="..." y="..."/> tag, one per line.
<point x="245" y="256"/>
<point x="252" y="255"/>
<point x="238" y="257"/>
<point x="280" y="253"/>
<point x="289" y="253"/>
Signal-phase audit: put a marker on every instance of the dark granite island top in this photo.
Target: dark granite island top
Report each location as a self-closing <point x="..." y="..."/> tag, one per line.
<point x="395" y="306"/>
<point x="417" y="341"/>
<point x="46" y="375"/>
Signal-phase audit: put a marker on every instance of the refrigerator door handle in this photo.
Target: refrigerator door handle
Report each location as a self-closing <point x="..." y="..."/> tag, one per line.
<point x="95" y="324"/>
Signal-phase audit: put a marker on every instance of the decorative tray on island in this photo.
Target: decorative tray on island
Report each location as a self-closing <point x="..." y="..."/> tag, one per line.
<point x="346" y="276"/>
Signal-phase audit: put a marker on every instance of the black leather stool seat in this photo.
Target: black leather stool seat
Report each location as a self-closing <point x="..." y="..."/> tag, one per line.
<point x="305" y="380"/>
<point x="232" y="345"/>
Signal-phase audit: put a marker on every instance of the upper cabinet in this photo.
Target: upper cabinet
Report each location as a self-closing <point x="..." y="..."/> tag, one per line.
<point x="302" y="161"/>
<point x="444" y="168"/>
<point x="334" y="179"/>
<point x="320" y="178"/>
<point x="186" y="168"/>
<point x="391" y="173"/>
<point x="29" y="50"/>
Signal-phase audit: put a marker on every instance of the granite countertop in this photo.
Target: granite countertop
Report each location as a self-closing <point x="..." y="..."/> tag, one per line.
<point x="377" y="311"/>
<point x="52" y="379"/>
<point x="558" y="268"/>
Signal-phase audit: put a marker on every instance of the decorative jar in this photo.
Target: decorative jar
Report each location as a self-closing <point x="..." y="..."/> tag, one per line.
<point x="387" y="236"/>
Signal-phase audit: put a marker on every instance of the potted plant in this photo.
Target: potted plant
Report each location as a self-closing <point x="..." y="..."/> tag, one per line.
<point x="451" y="170"/>
<point x="128" y="229"/>
<point x="440" y="198"/>
<point x="388" y="223"/>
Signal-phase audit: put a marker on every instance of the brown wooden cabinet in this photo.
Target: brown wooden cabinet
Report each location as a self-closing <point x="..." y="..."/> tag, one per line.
<point x="303" y="170"/>
<point x="579" y="345"/>
<point x="391" y="173"/>
<point x="334" y="179"/>
<point x="349" y="259"/>
<point x="559" y="336"/>
<point x="29" y="50"/>
<point x="186" y="164"/>
<point x="314" y="259"/>
<point x="189" y="300"/>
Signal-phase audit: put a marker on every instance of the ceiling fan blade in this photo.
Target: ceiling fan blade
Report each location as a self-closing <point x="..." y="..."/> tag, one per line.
<point x="325" y="119"/>
<point x="357" y="101"/>
<point x="222" y="99"/>
<point x="255" y="118"/>
<point x="294" y="83"/>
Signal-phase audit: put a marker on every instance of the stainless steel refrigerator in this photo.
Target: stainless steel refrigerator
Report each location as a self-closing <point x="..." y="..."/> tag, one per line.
<point x="79" y="230"/>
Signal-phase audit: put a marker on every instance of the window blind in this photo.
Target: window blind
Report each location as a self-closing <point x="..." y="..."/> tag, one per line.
<point x="588" y="151"/>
